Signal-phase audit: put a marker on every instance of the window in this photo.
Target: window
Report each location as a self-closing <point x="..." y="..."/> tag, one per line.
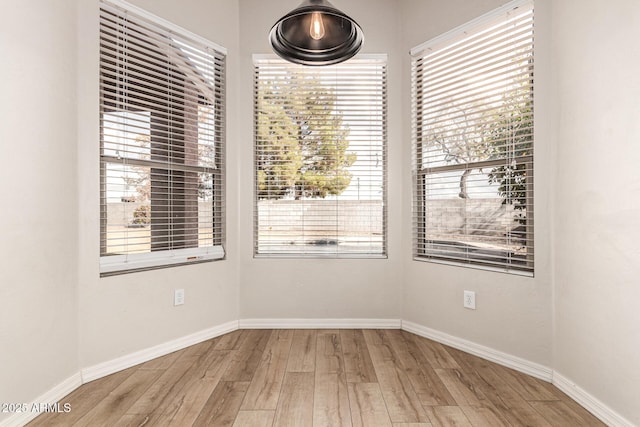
<point x="161" y="143"/>
<point x="320" y="158"/>
<point x="473" y="143"/>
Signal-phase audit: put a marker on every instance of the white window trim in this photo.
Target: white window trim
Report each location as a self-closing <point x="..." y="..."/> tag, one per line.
<point x="266" y="57"/>
<point x="485" y="21"/>
<point x="372" y="57"/>
<point x="167" y="24"/>
<point x="133" y="262"/>
<point x="118" y="264"/>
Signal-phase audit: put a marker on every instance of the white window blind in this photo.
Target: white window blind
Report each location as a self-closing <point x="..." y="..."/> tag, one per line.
<point x="161" y="142"/>
<point x="473" y="143"/>
<point x="320" y="158"/>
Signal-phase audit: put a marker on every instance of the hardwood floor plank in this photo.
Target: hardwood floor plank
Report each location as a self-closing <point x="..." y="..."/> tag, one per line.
<point x="398" y="393"/>
<point x="527" y="387"/>
<point x="357" y="360"/>
<point x="516" y="410"/>
<point x="230" y="341"/>
<point x="503" y="398"/>
<point x="331" y="397"/>
<point x="461" y="387"/>
<point x="163" y="362"/>
<point x="367" y="405"/>
<point x="589" y="419"/>
<point x="425" y="381"/>
<point x="379" y="339"/>
<point x="412" y="425"/>
<point x="482" y="416"/>
<point x="200" y="348"/>
<point x="254" y="419"/>
<point x="130" y="421"/>
<point x="465" y="361"/>
<point x="560" y="414"/>
<point x="115" y="405"/>
<point x="302" y="357"/>
<point x="329" y="357"/>
<point x="436" y="353"/>
<point x="83" y="399"/>
<point x="170" y="379"/>
<point x="331" y="400"/>
<point x="295" y="406"/>
<point x="248" y="356"/>
<point x="447" y="416"/>
<point x="487" y="414"/>
<point x="328" y="331"/>
<point x="264" y="390"/>
<point x="150" y="400"/>
<point x="195" y="394"/>
<point x="186" y="399"/>
<point x="223" y="405"/>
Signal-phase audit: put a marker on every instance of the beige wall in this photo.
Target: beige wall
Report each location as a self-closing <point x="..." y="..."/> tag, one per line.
<point x="38" y="212"/>
<point x="597" y="260"/>
<point x="122" y="314"/>
<point x="320" y="288"/>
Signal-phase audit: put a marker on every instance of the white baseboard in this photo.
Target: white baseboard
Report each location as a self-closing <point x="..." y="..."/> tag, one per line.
<point x="320" y="323"/>
<point x="49" y="398"/>
<point x="590" y="403"/>
<point x="103" y="369"/>
<point x="508" y="360"/>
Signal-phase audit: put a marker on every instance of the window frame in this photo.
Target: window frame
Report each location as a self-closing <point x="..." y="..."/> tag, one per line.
<point x="112" y="264"/>
<point x="383" y="254"/>
<point x="422" y="171"/>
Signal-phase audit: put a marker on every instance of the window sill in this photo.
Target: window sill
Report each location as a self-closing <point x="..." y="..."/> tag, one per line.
<point x="475" y="266"/>
<point x="122" y="264"/>
<point x="318" y="256"/>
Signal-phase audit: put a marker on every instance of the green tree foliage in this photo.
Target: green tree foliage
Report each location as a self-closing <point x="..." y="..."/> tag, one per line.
<point x="142" y="215"/>
<point x="512" y="138"/>
<point x="301" y="140"/>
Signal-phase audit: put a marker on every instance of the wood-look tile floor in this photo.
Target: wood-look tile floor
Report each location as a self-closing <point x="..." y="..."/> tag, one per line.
<point x="319" y="378"/>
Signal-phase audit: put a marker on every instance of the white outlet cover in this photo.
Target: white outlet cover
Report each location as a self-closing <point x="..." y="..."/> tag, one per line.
<point x="469" y="300"/>
<point x="178" y="297"/>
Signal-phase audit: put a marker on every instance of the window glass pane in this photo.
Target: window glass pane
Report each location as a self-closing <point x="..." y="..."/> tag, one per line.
<point x="473" y="143"/>
<point x="161" y="146"/>
<point x="206" y="136"/>
<point x="320" y="159"/>
<point x="128" y="206"/>
<point x="131" y="212"/>
<point x="126" y="134"/>
<point x="479" y="226"/>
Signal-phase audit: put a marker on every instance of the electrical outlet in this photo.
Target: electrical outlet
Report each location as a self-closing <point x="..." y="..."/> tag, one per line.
<point x="470" y="300"/>
<point x="178" y="297"/>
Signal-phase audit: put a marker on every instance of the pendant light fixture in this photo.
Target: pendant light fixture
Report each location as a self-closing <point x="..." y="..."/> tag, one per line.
<point x="316" y="33"/>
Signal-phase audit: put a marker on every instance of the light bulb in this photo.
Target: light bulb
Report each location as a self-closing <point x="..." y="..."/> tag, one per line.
<point x="317" y="26"/>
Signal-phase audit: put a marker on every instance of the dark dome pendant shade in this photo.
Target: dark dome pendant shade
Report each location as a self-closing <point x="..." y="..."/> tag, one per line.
<point x="316" y="33"/>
